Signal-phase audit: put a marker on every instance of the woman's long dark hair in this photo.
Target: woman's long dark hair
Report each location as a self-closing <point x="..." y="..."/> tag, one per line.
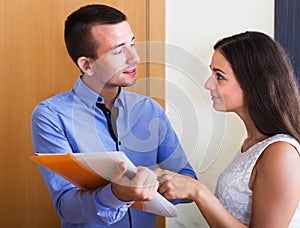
<point x="265" y="74"/>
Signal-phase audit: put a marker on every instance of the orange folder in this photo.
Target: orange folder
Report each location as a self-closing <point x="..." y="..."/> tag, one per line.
<point x="70" y="169"/>
<point x="80" y="169"/>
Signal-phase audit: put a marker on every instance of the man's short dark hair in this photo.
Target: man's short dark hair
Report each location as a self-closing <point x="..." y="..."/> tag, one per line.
<point x="78" y="37"/>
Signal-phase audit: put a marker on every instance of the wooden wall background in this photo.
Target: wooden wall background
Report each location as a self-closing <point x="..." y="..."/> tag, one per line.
<point x="34" y="65"/>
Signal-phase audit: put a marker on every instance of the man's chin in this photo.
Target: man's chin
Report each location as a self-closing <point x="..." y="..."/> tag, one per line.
<point x="129" y="84"/>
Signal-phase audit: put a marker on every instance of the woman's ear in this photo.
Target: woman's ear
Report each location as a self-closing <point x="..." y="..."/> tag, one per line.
<point x="84" y="65"/>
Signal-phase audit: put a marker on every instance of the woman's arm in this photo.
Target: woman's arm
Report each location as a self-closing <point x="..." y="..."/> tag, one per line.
<point x="274" y="181"/>
<point x="276" y="186"/>
<point x="174" y="186"/>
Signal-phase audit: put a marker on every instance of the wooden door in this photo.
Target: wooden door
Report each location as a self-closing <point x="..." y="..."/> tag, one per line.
<point x="35" y="65"/>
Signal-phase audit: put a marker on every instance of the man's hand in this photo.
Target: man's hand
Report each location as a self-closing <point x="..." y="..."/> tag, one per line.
<point x="142" y="187"/>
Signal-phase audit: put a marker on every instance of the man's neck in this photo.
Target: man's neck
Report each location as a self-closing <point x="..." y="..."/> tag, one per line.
<point x="109" y="93"/>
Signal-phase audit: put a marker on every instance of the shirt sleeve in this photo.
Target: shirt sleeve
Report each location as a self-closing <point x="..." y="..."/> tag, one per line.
<point x="171" y="155"/>
<point x="72" y="204"/>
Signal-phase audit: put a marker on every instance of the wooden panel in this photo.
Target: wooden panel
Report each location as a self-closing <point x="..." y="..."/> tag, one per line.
<point x="156" y="35"/>
<point x="34" y="65"/>
<point x="156" y="87"/>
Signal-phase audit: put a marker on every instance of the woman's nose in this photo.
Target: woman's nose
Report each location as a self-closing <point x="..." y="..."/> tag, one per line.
<point x="210" y="83"/>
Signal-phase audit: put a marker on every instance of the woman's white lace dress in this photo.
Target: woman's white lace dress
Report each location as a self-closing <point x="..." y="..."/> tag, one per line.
<point x="233" y="184"/>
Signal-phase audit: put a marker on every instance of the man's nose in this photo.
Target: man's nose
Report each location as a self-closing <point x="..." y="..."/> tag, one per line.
<point x="132" y="55"/>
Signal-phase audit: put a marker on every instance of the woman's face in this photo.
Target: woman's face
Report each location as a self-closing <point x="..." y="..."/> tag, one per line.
<point x="225" y="91"/>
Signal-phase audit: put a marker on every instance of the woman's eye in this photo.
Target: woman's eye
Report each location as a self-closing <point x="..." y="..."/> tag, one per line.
<point x="219" y="76"/>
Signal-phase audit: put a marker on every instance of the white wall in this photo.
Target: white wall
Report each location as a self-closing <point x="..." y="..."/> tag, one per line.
<point x="210" y="139"/>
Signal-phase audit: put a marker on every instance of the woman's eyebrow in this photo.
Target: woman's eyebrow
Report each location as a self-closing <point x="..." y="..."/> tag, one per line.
<point x="216" y="69"/>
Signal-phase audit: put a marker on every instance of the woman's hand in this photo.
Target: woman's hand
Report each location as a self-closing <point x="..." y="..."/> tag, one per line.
<point x="176" y="186"/>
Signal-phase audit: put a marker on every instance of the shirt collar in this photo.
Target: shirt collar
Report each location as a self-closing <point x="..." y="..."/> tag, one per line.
<point x="120" y="99"/>
<point x="85" y="94"/>
<point x="90" y="97"/>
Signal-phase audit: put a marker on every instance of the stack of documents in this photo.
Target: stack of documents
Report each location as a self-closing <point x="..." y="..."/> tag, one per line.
<point x="91" y="170"/>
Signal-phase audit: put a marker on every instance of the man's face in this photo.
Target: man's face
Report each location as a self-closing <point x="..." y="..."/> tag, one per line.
<point x="117" y="57"/>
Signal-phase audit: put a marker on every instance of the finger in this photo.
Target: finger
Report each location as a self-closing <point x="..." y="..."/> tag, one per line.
<point x="145" y="178"/>
<point x="119" y="171"/>
<point x="167" y="176"/>
<point x="158" y="172"/>
<point x="163" y="190"/>
<point x="152" y="183"/>
<point x="141" y="177"/>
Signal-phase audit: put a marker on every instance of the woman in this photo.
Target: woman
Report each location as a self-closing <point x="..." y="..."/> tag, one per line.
<point x="252" y="77"/>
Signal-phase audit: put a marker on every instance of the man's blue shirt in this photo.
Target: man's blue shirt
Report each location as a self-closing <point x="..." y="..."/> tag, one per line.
<point x="72" y="122"/>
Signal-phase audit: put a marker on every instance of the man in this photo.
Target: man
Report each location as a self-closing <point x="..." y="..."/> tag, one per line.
<point x="98" y="116"/>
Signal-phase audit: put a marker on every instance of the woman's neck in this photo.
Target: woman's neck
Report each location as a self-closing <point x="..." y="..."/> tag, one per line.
<point x="254" y="136"/>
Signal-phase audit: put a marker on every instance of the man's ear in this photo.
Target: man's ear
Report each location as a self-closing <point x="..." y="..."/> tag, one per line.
<point x="84" y="65"/>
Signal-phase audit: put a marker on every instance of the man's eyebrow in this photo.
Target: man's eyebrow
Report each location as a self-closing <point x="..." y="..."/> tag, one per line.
<point x="122" y="44"/>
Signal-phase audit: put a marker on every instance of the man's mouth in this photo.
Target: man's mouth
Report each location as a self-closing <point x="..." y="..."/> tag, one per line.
<point x="131" y="71"/>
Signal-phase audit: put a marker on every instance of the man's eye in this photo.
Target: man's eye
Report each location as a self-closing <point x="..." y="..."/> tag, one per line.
<point x="118" y="51"/>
